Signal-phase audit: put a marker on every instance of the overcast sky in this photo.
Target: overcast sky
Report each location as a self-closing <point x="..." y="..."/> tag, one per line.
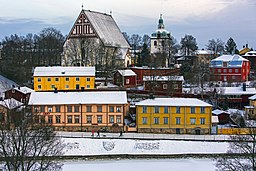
<point x="204" y="19"/>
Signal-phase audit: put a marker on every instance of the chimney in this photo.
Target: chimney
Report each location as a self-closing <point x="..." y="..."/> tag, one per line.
<point x="246" y="45"/>
<point x="244" y="86"/>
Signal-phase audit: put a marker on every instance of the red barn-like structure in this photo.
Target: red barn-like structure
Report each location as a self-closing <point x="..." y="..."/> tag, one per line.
<point x="125" y="78"/>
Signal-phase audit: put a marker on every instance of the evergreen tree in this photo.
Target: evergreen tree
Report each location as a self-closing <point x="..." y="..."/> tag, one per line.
<point x="231" y="46"/>
<point x="145" y="55"/>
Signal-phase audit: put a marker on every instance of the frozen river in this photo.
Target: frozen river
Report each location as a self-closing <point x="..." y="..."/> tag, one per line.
<point x="142" y="164"/>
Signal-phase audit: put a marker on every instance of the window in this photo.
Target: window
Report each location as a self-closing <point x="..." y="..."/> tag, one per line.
<point x="49" y="79"/>
<point x="219" y="70"/>
<point x="50" y="119"/>
<point x="69" y="118"/>
<point x="69" y="108"/>
<point x="192" y="109"/>
<point x="127" y="81"/>
<point x="166" y="109"/>
<point x="175" y="86"/>
<point x="56" y="79"/>
<point x="202" y="110"/>
<point x="156" y="109"/>
<point x="192" y="121"/>
<point x="99" y="119"/>
<point x="118" y="119"/>
<point x="39" y="87"/>
<point x="42" y="119"/>
<point x="67" y="86"/>
<point x="111" y="108"/>
<point x="49" y="108"/>
<point x="53" y="86"/>
<point x="57" y="108"/>
<point x="77" y="119"/>
<point x="88" y="79"/>
<point x="144" y="120"/>
<point x="88" y="108"/>
<point x="88" y="86"/>
<point x="42" y="108"/>
<point x="224" y="70"/>
<point x="36" y="109"/>
<point x="177" y="109"/>
<point x="118" y="109"/>
<point x="77" y="79"/>
<point x="233" y="77"/>
<point x="230" y="70"/>
<point x="156" y="120"/>
<point x="89" y="119"/>
<point x="155" y="43"/>
<point x="99" y="108"/>
<point x="166" y="119"/>
<point x="67" y="78"/>
<point x="111" y="119"/>
<point x="39" y="79"/>
<point x="144" y="109"/>
<point x="177" y="120"/>
<point x="58" y="118"/>
<point x="164" y="86"/>
<point x="202" y="121"/>
<point x="236" y="70"/>
<point x="77" y="108"/>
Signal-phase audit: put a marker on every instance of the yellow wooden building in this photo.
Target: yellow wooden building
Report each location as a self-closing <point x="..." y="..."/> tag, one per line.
<point x="85" y="111"/>
<point x="64" y="78"/>
<point x="250" y="111"/>
<point x="174" y="115"/>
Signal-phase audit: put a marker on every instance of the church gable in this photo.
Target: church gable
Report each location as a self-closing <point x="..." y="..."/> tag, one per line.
<point x="82" y="27"/>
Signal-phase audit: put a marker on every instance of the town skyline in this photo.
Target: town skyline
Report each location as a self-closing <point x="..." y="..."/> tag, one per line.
<point x="204" y="19"/>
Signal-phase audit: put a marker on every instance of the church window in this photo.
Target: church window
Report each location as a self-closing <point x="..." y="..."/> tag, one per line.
<point x="155" y="43"/>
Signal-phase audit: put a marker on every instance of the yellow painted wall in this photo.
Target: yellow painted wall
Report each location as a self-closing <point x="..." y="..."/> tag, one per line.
<point x="184" y="116"/>
<point x="61" y="84"/>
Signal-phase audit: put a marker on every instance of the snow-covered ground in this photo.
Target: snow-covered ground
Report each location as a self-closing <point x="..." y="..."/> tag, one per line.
<point x="88" y="146"/>
<point x="138" y="165"/>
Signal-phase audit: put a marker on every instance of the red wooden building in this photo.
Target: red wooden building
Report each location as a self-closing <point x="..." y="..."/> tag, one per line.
<point x="223" y="116"/>
<point x="20" y="94"/>
<point x="125" y="78"/>
<point x="230" y="68"/>
<point x="146" y="71"/>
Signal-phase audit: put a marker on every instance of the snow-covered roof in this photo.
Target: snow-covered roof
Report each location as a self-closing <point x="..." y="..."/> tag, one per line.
<point x="252" y="97"/>
<point x="106" y="28"/>
<point x="218" y="112"/>
<point x="228" y="58"/>
<point x="204" y="52"/>
<point x="173" y="102"/>
<point x="24" y="90"/>
<point x="163" y="78"/>
<point x="251" y="53"/>
<point x="87" y="97"/>
<point x="127" y="72"/>
<point x="215" y="119"/>
<point x="10" y="103"/>
<point x="64" y="71"/>
<point x="238" y="91"/>
<point x="6" y="84"/>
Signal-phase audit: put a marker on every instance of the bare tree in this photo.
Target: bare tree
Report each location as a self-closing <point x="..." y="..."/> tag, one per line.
<point x="188" y="45"/>
<point x="27" y="145"/>
<point x="216" y="46"/>
<point x="242" y="150"/>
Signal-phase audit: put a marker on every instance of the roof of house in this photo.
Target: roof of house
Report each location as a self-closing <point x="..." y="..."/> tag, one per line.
<point x="251" y="53"/>
<point x="163" y="78"/>
<point x="10" y="103"/>
<point x="127" y="72"/>
<point x="204" y="52"/>
<point x="227" y="58"/>
<point x="6" y="84"/>
<point x="238" y="91"/>
<point x="24" y="90"/>
<point x="64" y="71"/>
<point x="218" y="112"/>
<point x="252" y="97"/>
<point x="173" y="102"/>
<point x="86" y="97"/>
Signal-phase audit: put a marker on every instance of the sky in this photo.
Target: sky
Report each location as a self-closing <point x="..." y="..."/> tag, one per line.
<point x="203" y="19"/>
